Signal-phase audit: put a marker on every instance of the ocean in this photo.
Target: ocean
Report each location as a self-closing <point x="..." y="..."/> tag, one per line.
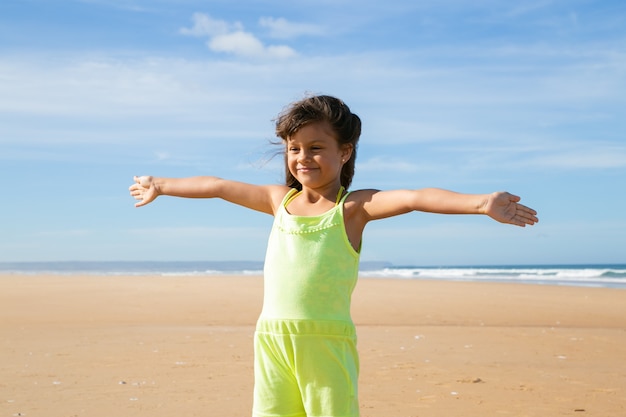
<point x="610" y="275"/>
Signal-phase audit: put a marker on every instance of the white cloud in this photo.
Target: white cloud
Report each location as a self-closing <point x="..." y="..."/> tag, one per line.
<point x="282" y="29"/>
<point x="205" y="25"/>
<point x="245" y="44"/>
<point x="231" y="38"/>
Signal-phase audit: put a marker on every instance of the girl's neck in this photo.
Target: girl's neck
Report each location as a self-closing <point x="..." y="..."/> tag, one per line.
<point x="310" y="202"/>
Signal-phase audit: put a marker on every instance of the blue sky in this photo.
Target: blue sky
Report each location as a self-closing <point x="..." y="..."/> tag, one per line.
<point x="526" y="96"/>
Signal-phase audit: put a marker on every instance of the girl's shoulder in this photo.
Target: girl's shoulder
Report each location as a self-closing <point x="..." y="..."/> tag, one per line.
<point x="361" y="195"/>
<point x="357" y="199"/>
<point x="277" y="194"/>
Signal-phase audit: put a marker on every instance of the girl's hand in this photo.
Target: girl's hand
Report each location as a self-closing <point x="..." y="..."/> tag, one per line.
<point x="143" y="190"/>
<point x="505" y="208"/>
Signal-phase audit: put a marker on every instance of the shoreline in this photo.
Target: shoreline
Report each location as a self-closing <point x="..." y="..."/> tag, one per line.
<point x="162" y="346"/>
<point x="578" y="275"/>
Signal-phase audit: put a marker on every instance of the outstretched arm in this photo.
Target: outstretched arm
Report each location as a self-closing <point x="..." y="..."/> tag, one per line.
<point x="256" y="197"/>
<point x="500" y="206"/>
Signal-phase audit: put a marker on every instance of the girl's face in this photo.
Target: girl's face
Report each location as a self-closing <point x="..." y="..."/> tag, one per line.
<point x="314" y="156"/>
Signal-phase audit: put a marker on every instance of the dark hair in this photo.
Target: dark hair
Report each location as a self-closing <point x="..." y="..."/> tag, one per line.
<point x="345" y="124"/>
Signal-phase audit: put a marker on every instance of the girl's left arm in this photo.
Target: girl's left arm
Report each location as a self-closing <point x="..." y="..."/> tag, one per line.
<point x="500" y="206"/>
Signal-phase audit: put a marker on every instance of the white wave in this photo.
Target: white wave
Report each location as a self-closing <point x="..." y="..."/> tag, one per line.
<point x="574" y="276"/>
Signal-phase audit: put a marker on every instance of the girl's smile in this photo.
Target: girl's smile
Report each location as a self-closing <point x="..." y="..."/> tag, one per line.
<point x="314" y="156"/>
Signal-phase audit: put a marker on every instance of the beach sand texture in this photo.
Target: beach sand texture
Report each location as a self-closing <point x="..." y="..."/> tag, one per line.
<point x="99" y="346"/>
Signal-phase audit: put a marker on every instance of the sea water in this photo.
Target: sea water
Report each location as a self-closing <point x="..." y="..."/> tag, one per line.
<point x="613" y="275"/>
<point x="607" y="275"/>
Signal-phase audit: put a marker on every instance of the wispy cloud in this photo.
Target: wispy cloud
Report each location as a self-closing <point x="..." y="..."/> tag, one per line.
<point x="281" y="28"/>
<point x="523" y="8"/>
<point x="120" y="5"/>
<point x="177" y="233"/>
<point x="162" y="156"/>
<point x="520" y="93"/>
<point x="585" y="156"/>
<point x="205" y="25"/>
<point x="231" y="38"/>
<point x="379" y="164"/>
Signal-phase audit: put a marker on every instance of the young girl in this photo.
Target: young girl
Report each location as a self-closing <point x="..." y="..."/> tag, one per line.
<point x="306" y="362"/>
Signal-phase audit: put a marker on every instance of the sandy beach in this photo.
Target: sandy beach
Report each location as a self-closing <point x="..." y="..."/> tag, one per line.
<point x="98" y="346"/>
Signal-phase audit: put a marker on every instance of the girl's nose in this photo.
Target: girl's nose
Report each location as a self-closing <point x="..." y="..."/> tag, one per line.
<point x="304" y="155"/>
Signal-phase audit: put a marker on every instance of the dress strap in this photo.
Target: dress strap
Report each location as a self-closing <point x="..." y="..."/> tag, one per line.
<point x="293" y="193"/>
<point x="339" y="195"/>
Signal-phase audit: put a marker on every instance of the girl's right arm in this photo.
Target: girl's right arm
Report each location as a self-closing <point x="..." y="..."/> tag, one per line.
<point x="263" y="198"/>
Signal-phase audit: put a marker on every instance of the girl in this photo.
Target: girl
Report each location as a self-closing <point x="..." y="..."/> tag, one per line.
<point x="306" y="363"/>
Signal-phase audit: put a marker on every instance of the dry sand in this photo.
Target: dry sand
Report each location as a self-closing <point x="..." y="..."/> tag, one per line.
<point x="99" y="346"/>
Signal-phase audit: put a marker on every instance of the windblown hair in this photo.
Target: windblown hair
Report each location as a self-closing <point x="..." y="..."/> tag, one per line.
<point x="345" y="124"/>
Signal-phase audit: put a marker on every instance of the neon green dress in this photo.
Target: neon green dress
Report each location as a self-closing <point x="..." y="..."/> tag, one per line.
<point x="306" y="362"/>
